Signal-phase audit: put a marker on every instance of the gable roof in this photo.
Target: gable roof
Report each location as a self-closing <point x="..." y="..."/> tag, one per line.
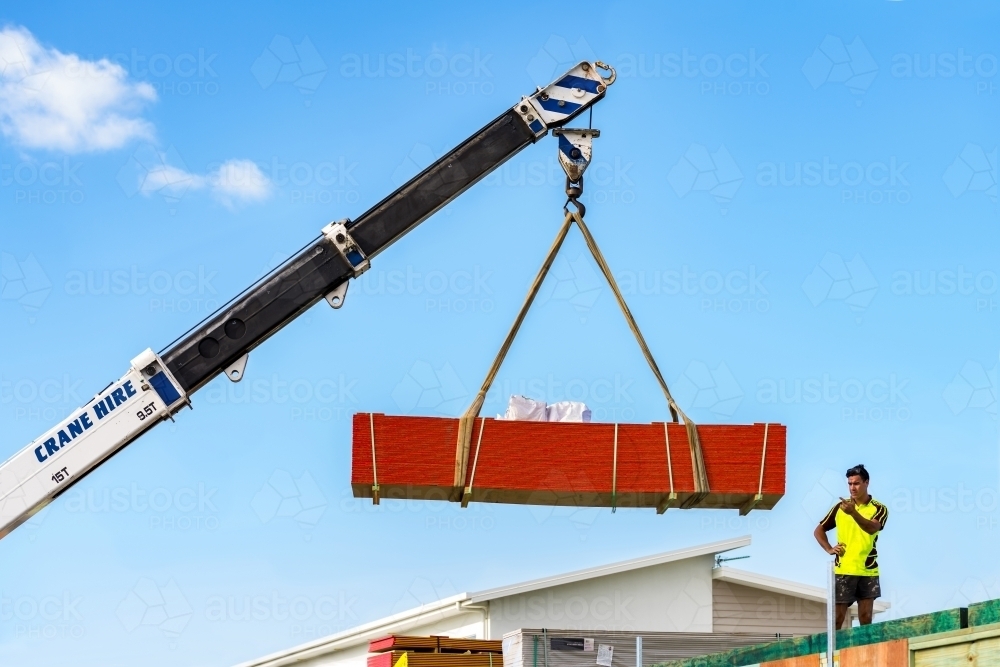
<point x="458" y="604"/>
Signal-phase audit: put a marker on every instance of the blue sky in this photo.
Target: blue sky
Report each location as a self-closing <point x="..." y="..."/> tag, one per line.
<point x="800" y="203"/>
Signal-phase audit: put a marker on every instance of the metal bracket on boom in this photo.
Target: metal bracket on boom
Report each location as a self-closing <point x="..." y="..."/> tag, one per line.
<point x="155" y="375"/>
<point x="337" y="296"/>
<point x="341" y="238"/>
<point x="235" y="370"/>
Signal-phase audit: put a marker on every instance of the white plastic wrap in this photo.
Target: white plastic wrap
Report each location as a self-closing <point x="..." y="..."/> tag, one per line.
<point x="522" y="408"/>
<point x="567" y="411"/>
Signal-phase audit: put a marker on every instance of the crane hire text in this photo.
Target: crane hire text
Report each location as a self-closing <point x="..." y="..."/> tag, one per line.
<point x="70" y="430"/>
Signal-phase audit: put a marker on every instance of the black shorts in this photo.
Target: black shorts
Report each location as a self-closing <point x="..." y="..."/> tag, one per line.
<point x="852" y="587"/>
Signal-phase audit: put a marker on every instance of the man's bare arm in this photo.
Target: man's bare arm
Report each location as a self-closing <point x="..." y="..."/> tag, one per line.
<point x="870" y="526"/>
<point x="820" y="536"/>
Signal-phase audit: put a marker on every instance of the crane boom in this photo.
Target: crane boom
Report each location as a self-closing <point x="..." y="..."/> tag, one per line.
<point x="158" y="385"/>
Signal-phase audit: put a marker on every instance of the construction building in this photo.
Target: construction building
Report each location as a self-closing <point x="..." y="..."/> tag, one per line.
<point x="681" y="591"/>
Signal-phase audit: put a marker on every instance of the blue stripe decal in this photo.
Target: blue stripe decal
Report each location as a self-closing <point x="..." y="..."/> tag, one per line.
<point x="565" y="147"/>
<point x="571" y="81"/>
<point x="168" y="394"/>
<point x="553" y="105"/>
<point x="535" y="126"/>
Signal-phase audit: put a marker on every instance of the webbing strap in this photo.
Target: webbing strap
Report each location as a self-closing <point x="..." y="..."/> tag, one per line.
<point x="614" y="475"/>
<point x="672" y="496"/>
<point x="467" y="496"/>
<point x="697" y="459"/>
<point x="750" y="504"/>
<point x="763" y="457"/>
<point x="467" y="420"/>
<point x="375" y="494"/>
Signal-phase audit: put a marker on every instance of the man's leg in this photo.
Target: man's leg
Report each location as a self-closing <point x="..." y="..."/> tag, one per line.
<point x="868" y="589"/>
<point x="865" y="608"/>
<point x="846" y="595"/>
<point x="841" y="615"/>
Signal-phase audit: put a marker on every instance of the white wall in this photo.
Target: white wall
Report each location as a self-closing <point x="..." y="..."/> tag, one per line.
<point x="673" y="597"/>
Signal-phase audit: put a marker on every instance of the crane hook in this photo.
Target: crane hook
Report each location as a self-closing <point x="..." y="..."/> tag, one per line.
<point x="573" y="191"/>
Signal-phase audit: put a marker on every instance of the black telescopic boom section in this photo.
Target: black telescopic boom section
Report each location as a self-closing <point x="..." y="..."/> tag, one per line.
<point x="267" y="306"/>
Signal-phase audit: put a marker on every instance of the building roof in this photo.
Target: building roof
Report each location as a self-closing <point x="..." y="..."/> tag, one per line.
<point x="614" y="568"/>
<point x="395" y="624"/>
<point x="458" y="604"/>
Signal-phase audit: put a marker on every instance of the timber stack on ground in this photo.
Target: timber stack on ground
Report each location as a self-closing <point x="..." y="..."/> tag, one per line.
<point x="963" y="637"/>
<point x="578" y="464"/>
<point x="434" y="651"/>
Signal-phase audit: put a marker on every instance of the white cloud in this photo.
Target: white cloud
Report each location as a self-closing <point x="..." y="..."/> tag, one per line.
<point x="58" y="101"/>
<point x="150" y="171"/>
<point x="55" y="100"/>
<point x="168" y="180"/>
<point x="239" y="181"/>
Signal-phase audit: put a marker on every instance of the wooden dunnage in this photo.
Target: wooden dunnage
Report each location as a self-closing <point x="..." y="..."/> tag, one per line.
<point x="434" y="643"/>
<point x="428" y="659"/>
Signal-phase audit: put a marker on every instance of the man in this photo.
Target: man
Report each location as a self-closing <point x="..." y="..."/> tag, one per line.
<point x="858" y="521"/>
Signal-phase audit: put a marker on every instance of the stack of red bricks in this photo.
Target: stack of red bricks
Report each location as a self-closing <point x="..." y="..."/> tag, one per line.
<point x="434" y="652"/>
<point x="559" y="463"/>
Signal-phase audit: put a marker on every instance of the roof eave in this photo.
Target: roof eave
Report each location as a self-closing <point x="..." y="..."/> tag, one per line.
<point x="361" y="634"/>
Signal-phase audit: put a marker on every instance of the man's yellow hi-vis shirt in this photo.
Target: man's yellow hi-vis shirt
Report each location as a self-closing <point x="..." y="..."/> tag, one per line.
<point x="860" y="556"/>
